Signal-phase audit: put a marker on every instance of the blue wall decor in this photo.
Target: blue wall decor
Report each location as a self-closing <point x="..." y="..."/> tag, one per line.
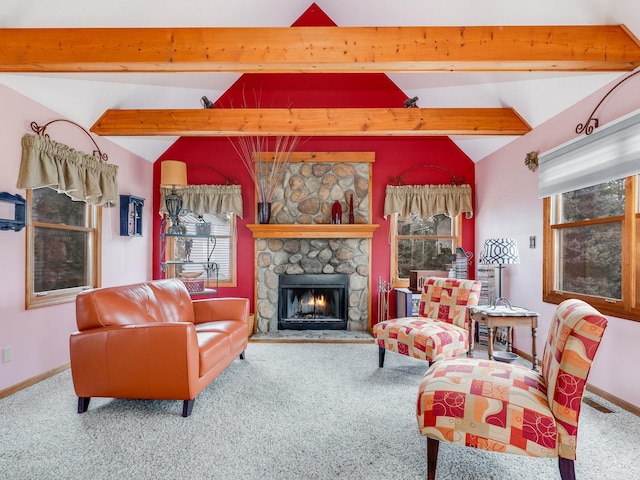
<point x="20" y="212"/>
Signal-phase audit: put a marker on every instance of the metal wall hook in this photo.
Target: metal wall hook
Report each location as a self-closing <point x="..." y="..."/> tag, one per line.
<point x="592" y="122"/>
<point x="41" y="130"/>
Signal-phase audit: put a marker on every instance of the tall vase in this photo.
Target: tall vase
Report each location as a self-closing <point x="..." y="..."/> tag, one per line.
<point x="264" y="212"/>
<point x="352" y="218"/>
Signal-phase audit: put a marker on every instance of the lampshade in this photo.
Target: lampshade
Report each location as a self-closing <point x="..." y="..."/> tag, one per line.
<point x="500" y="251"/>
<point x="173" y="174"/>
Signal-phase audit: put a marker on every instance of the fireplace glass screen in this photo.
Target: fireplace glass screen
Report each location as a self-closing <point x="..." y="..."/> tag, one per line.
<point x="313" y="302"/>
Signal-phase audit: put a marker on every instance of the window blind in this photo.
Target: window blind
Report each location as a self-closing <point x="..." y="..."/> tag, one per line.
<point x="609" y="153"/>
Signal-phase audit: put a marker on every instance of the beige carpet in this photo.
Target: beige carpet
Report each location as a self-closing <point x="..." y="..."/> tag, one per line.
<point x="289" y="411"/>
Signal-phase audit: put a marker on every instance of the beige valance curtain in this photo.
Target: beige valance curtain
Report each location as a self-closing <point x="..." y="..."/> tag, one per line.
<point x="212" y="199"/>
<point x="428" y="200"/>
<point x="47" y="163"/>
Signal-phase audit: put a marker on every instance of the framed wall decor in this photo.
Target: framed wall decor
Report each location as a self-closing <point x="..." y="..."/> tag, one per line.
<point x="131" y="216"/>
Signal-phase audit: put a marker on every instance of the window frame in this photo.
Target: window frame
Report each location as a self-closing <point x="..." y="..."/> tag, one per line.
<point x="55" y="297"/>
<point x="232" y="281"/>
<point x="456" y="225"/>
<point x="233" y="248"/>
<point x="628" y="306"/>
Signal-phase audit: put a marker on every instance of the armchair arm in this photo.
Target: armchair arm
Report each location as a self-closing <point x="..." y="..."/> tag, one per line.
<point x="216" y="309"/>
<point x="151" y="360"/>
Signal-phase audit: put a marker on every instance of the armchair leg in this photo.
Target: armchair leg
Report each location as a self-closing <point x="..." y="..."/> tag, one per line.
<point x="432" y="457"/>
<point x="83" y="404"/>
<point x="187" y="406"/>
<point x="381" y="351"/>
<point x="567" y="469"/>
<point x="242" y="355"/>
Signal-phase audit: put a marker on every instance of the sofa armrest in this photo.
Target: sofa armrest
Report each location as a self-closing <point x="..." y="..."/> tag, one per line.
<point x="152" y="360"/>
<point x="216" y="309"/>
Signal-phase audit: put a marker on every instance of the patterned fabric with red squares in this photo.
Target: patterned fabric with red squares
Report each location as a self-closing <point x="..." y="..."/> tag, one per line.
<point x="441" y="330"/>
<point x="447" y="300"/>
<point x="511" y="408"/>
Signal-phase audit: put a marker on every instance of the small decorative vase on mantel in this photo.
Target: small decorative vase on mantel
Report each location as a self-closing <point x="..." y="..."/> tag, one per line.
<point x="336" y="213"/>
<point x="264" y="212"/>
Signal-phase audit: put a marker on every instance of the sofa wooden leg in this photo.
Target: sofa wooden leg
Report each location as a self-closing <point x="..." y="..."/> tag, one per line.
<point x="242" y="355"/>
<point x="83" y="404"/>
<point x="432" y="458"/>
<point x="567" y="469"/>
<point x="381" y="356"/>
<point x="187" y="407"/>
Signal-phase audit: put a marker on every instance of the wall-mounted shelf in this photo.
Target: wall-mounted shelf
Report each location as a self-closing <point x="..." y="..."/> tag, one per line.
<point x="296" y="230"/>
<point x="19" y="212"/>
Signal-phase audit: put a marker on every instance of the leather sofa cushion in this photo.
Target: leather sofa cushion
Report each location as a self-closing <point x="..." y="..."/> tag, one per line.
<point x="214" y="347"/>
<point x="149" y="302"/>
<point x="238" y="332"/>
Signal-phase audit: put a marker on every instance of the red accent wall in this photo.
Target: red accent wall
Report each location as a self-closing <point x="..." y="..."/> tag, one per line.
<point x="393" y="155"/>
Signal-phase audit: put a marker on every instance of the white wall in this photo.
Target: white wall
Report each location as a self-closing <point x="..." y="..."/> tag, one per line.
<point x="507" y="205"/>
<point x="39" y="338"/>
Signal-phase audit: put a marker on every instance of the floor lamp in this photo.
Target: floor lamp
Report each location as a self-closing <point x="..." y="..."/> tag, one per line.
<point x="500" y="252"/>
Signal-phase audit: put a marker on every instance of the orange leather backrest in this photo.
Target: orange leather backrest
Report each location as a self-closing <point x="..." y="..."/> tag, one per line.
<point x="157" y="301"/>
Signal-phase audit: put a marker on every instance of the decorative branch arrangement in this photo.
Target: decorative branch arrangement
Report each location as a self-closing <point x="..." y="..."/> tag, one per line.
<point x="266" y="175"/>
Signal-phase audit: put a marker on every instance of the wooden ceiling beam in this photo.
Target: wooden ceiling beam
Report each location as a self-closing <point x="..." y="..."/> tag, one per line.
<point x="312" y="122"/>
<point x="319" y="49"/>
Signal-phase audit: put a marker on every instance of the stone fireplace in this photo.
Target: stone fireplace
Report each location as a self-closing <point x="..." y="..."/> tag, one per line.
<point x="300" y="241"/>
<point x="320" y="256"/>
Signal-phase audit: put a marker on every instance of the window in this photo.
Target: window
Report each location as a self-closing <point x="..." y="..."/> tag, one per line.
<point x="418" y="244"/>
<point x="589" y="249"/>
<point x="63" y="247"/>
<point x="223" y="228"/>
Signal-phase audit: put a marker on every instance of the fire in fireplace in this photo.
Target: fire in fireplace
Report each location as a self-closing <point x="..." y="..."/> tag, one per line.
<point x="313" y="301"/>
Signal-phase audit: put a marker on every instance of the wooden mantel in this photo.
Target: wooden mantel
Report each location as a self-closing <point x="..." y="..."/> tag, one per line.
<point x="296" y="230"/>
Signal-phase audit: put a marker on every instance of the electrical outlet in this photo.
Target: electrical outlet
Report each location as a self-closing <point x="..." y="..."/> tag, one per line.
<point x="7" y="354"/>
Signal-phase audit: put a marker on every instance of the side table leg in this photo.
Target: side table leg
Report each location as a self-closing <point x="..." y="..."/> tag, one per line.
<point x="534" y="334"/>
<point x="472" y="337"/>
<point x="491" y="338"/>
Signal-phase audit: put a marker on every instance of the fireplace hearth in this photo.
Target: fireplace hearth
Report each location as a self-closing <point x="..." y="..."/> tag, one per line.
<point x="313" y="301"/>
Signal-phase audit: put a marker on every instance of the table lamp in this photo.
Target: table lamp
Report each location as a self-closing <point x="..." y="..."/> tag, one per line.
<point x="500" y="252"/>
<point x="173" y="175"/>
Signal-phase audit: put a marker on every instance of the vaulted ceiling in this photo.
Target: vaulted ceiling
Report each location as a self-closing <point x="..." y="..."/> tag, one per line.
<point x="477" y="84"/>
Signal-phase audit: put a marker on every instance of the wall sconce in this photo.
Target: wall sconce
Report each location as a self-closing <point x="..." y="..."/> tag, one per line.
<point x="500" y="252"/>
<point x="173" y="175"/>
<point x="531" y="161"/>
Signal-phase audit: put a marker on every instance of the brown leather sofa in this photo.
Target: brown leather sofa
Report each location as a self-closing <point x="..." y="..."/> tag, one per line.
<point x="152" y="341"/>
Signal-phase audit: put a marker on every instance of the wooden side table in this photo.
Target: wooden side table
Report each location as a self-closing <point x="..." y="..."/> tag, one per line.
<point x="502" y="316"/>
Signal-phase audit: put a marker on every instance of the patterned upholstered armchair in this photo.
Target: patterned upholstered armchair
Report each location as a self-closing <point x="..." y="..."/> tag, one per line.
<point x="510" y="408"/>
<point x="442" y="328"/>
